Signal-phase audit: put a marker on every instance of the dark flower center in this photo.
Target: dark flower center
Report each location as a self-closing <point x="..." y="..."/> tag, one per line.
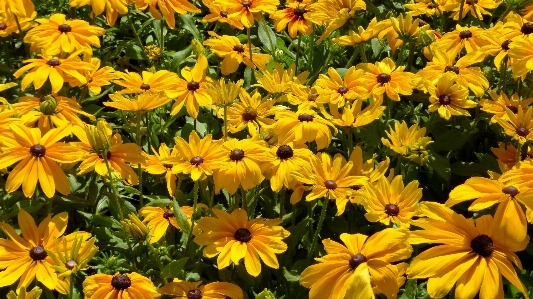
<point x="356" y="188"/>
<point x="193" y="85"/>
<point x="511" y="190"/>
<point x="3" y="26"/>
<point x="53" y="62"/>
<point x="465" y="34"/>
<point x="197" y="160"/>
<point x="64" y="28"/>
<point x="422" y="23"/>
<point x="284" y="152"/>
<point x="527" y="28"/>
<point x="342" y="90"/>
<point x="38" y="150"/>
<point x="236" y="154"/>
<point x="223" y="14"/>
<point x="299" y="11"/>
<point x="120" y="282"/>
<point x="383" y="78"/>
<point x="392" y="210"/>
<point x="145" y="86"/>
<point x="38" y="253"/>
<point x="469" y="2"/>
<point x="513" y="109"/>
<point x="107" y="155"/>
<point x="168" y="166"/>
<point x="312" y="97"/>
<point x="194" y="294"/>
<point x="249" y="114"/>
<point x="452" y="68"/>
<point x="246" y="4"/>
<point x="445" y="100"/>
<point x="522" y="132"/>
<point x="90" y="80"/>
<point x="482" y="245"/>
<point x="238" y="48"/>
<point x="431" y="6"/>
<point x="305" y="117"/>
<point x="357" y="260"/>
<point x="330" y="184"/>
<point x="243" y="235"/>
<point x="168" y="214"/>
<point x="505" y="45"/>
<point x="70" y="264"/>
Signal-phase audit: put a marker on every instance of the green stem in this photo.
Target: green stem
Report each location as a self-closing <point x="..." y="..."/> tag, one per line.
<point x="363" y="52"/>
<point x="298" y="51"/>
<point x="225" y="122"/>
<point x="83" y="93"/>
<point x="162" y="41"/>
<point x="195" y="202"/>
<point x="411" y="55"/>
<point x="71" y="285"/>
<point x="461" y="12"/>
<point x="503" y="74"/>
<point x="156" y="255"/>
<point x="479" y="18"/>
<point x="6" y="51"/>
<point x="352" y="59"/>
<point x="317" y="232"/>
<point x="443" y="19"/>
<point x="115" y="193"/>
<point x="350" y="141"/>
<point x="249" y="34"/>
<point x="140" y="171"/>
<point x="282" y="203"/>
<point x="244" y="204"/>
<point x="135" y="32"/>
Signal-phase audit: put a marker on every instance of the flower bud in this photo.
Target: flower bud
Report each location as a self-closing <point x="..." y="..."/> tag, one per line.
<point x="99" y="137"/>
<point x="135" y="227"/>
<point x="153" y="52"/>
<point x="48" y="105"/>
<point x="197" y="47"/>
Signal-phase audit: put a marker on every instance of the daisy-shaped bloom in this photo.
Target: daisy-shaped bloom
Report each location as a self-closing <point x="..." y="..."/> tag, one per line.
<point x="198" y="157"/>
<point x="234" y="53"/>
<point x="353" y="115"/>
<point x="365" y="168"/>
<point x="250" y="112"/>
<point x="302" y="126"/>
<point x="404" y="140"/>
<point x="96" y="76"/>
<point x="334" y="90"/>
<point x="58" y="35"/>
<point x="509" y="197"/>
<point x="385" y="78"/>
<point x="160" y="81"/>
<point x="50" y="111"/>
<point x="248" y="10"/>
<point x="278" y="82"/>
<point x="119" y="286"/>
<point x="195" y="290"/>
<point x="519" y="125"/>
<point x="425" y="7"/>
<point x="471" y="38"/>
<point x="391" y="201"/>
<point x="288" y="158"/>
<point x="223" y="93"/>
<point x="38" y="156"/>
<point x="159" y="163"/>
<point x="243" y="165"/>
<point x="303" y="96"/>
<point x="362" y="35"/>
<point x="26" y="257"/>
<point x="497" y="44"/>
<point x="141" y="102"/>
<point x="233" y="237"/>
<point x="405" y="28"/>
<point x="21" y="293"/>
<point x="112" y="8"/>
<point x="448" y="98"/>
<point x="506" y="154"/>
<point x="471" y="254"/>
<point x="220" y="12"/>
<point x="499" y="102"/>
<point x="53" y="68"/>
<point x="353" y="269"/>
<point x="334" y="14"/>
<point x="516" y="27"/>
<point x="295" y="16"/>
<point x="330" y="178"/>
<point x="8" y="24"/>
<point x="477" y="8"/>
<point x="166" y="9"/>
<point x="20" y="8"/>
<point x="521" y="50"/>
<point x="158" y="219"/>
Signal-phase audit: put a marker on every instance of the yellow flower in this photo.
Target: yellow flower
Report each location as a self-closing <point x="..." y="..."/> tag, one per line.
<point x="134" y="227"/>
<point x="8" y="24"/>
<point x="38" y="156"/>
<point x="214" y="290"/>
<point x="243" y="164"/>
<point x="334" y="14"/>
<point x="21" y="293"/>
<point x="385" y="78"/>
<point x="142" y="102"/>
<point x="362" y="35"/>
<point x="329" y="179"/>
<point x="520" y="125"/>
<point x="425" y="7"/>
<point x="96" y="76"/>
<point x="448" y="98"/>
<point x="476" y="9"/>
<point x="351" y="270"/>
<point x="234" y="53"/>
<point x="471" y="38"/>
<point x="223" y="93"/>
<point x="497" y="44"/>
<point x="158" y="219"/>
<point x="302" y="126"/>
<point x="158" y="82"/>
<point x="119" y="286"/>
<point x="405" y="28"/>
<point x="288" y="158"/>
<point x="21" y="8"/>
<point x="506" y="155"/>
<point x="153" y="52"/>
<point x="403" y="140"/>
<point x="296" y="16"/>
<point x="248" y="10"/>
<point x="278" y="82"/>
<point x="219" y="12"/>
<point x="53" y="68"/>
<point x="233" y="237"/>
<point x="336" y="91"/>
<point x="354" y="116"/>
<point x="166" y="9"/>
<point x="160" y="163"/>
<point x="111" y="7"/>
<point x="59" y="35"/>
<point x="500" y="102"/>
<point x="521" y="50"/>
<point x="303" y="96"/>
<point x="473" y="258"/>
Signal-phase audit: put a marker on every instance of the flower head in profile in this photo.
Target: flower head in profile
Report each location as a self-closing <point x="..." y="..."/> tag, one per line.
<point x="334" y="14"/>
<point x="471" y="254"/>
<point x="521" y="51"/>
<point x="500" y="101"/>
<point x="161" y="163"/>
<point x="8" y="24"/>
<point x="295" y="16"/>
<point x="224" y="93"/>
<point x="158" y="219"/>
<point x="112" y="8"/>
<point x="97" y="76"/>
<point x="519" y="125"/>
<point x="248" y="10"/>
<point x="184" y="289"/>
<point x="476" y="8"/>
<point x="220" y="12"/>
<point x="385" y="78"/>
<point x="448" y="98"/>
<point x="362" y="35"/>
<point x="359" y="267"/>
<point x="21" y="293"/>
<point x="166" y="9"/>
<point x="119" y="286"/>
<point x="137" y="103"/>
<point x="158" y="82"/>
<point x="278" y="82"/>
<point x="334" y="90"/>
<point x="410" y="142"/>
<point x="403" y="28"/>
<point x="232" y="237"/>
<point x="353" y="115"/>
<point x="365" y="168"/>
<point x="20" y="8"/>
<point x="428" y="8"/>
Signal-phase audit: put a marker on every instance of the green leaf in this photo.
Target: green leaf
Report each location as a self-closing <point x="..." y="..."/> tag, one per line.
<point x="174" y="269"/>
<point x="267" y="36"/>
<point x="187" y="22"/>
<point x="410" y="290"/>
<point x="450" y="140"/>
<point x="135" y="52"/>
<point x="440" y="165"/>
<point x="181" y="218"/>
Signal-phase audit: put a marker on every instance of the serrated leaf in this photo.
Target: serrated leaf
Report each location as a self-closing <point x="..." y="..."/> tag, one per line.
<point x="181" y="218"/>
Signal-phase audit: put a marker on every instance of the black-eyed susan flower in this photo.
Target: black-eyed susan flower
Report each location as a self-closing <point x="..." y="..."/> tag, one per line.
<point x="54" y="69"/>
<point x="408" y="141"/>
<point x="288" y="158"/>
<point x="198" y="157"/>
<point x="448" y="98"/>
<point x="159" y="163"/>
<point x="333" y="89"/>
<point x="38" y="156"/>
<point x="353" y="115"/>
<point x="112" y="8"/>
<point x="248" y="10"/>
<point x="58" y="35"/>
<point x="137" y="103"/>
<point x="119" y="286"/>
<point x="98" y="76"/>
<point x="521" y="50"/>
<point x="303" y="96"/>
<point x="295" y="16"/>
<point x="334" y="14"/>
<point x="518" y="125"/>
<point x="220" y="12"/>
<point x="500" y="101"/>
<point x="425" y="7"/>
<point x="21" y="293"/>
<point x="158" y="219"/>
<point x="166" y="9"/>
<point x="158" y="82"/>
<point x="353" y="269"/>
<point x="471" y="38"/>
<point x="497" y="44"/>
<point x="197" y="290"/>
<point x="224" y="93"/>
<point x="477" y="8"/>
<point x="8" y="24"/>
<point x="302" y="126"/>
<point x="362" y="35"/>
<point x="278" y="82"/>
<point x="234" y="53"/>
<point x="243" y="165"/>
<point x="471" y="254"/>
<point x="20" y="8"/>
<point x="385" y="78"/>
<point x="232" y="237"/>
<point x="391" y="201"/>
<point x="516" y="26"/>
<point x="405" y="28"/>
<point x="329" y="178"/>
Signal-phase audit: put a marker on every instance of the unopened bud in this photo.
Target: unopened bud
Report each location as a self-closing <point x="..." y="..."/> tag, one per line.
<point x="48" y="105"/>
<point x="135" y="227"/>
<point x="197" y="47"/>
